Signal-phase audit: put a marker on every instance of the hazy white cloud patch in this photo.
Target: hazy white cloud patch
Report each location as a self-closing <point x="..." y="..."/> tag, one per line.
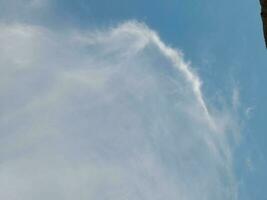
<point x="249" y="111"/>
<point x="110" y="114"/>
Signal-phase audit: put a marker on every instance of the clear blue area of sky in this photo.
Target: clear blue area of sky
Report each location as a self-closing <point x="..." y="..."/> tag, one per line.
<point x="224" y="42"/>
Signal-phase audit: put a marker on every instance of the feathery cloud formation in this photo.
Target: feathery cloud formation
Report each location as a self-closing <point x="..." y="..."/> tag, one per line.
<point x="110" y="114"/>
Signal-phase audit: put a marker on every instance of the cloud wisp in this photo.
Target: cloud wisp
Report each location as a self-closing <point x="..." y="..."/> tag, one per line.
<point x="109" y="114"/>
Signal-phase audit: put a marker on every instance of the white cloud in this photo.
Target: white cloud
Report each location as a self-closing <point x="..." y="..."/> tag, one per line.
<point x="112" y="114"/>
<point x="34" y="11"/>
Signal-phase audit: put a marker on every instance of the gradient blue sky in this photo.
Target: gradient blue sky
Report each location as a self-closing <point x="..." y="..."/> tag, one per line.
<point x="222" y="39"/>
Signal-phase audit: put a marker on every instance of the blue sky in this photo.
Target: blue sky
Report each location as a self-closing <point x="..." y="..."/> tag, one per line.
<point x="222" y="40"/>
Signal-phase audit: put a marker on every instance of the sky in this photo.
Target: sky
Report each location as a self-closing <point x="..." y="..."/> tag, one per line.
<point x="128" y="99"/>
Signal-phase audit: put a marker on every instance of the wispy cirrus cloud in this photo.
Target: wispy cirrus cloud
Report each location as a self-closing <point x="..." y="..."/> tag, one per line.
<point x="110" y="114"/>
